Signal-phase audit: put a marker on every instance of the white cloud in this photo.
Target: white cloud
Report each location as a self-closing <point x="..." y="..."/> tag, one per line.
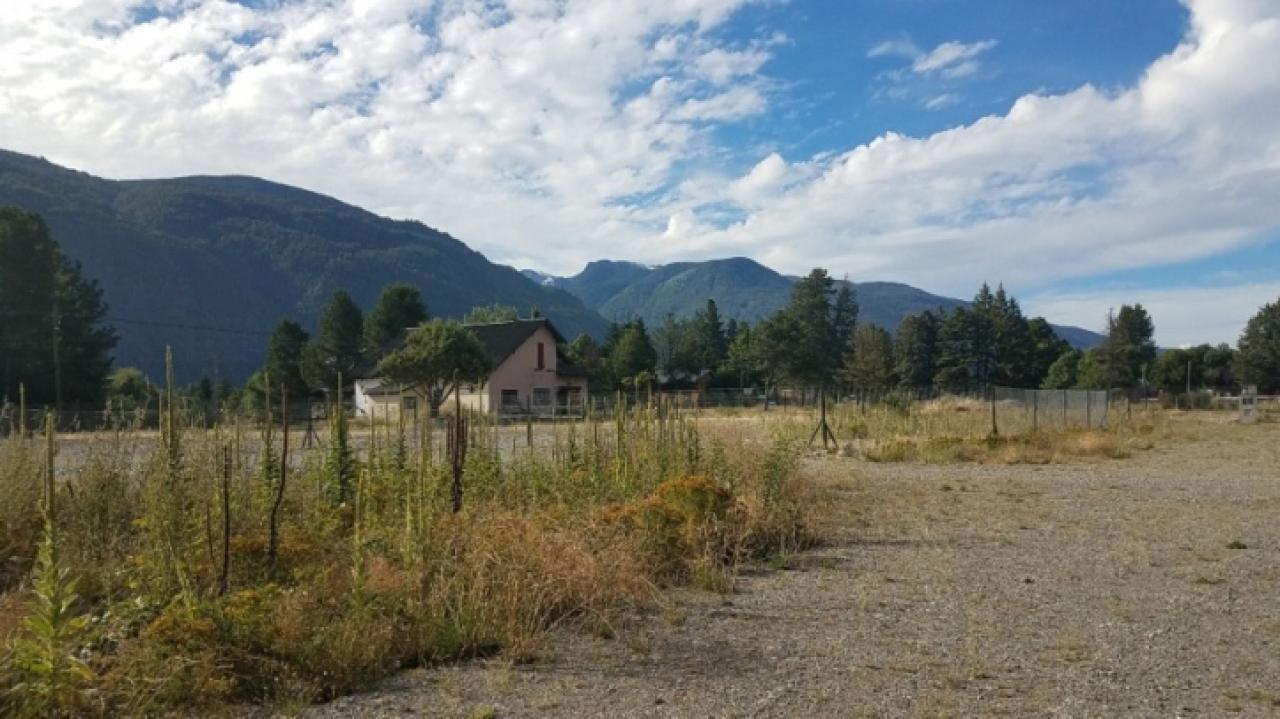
<point x="1182" y="166"/>
<point x="938" y="102"/>
<point x="950" y="55"/>
<point x="895" y="48"/>
<point x="552" y="132"/>
<point x="529" y="122"/>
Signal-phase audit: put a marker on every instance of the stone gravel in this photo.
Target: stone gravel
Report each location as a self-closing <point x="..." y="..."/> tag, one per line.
<point x="1148" y="586"/>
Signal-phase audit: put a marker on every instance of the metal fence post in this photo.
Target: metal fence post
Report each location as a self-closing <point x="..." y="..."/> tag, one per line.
<point x="1035" y="410"/>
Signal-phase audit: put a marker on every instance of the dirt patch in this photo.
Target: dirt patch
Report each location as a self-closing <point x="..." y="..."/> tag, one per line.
<point x="1148" y="586"/>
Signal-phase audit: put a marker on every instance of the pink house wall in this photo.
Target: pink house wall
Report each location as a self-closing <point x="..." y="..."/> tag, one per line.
<point x="520" y="371"/>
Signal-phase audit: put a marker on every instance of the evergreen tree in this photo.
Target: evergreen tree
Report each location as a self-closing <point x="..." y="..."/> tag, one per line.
<point x="709" y="342"/>
<point x="869" y="363"/>
<point x="669" y="346"/>
<point x="1258" y="357"/>
<point x="740" y="359"/>
<point x="768" y="348"/>
<point x="983" y="358"/>
<point x="52" y="339"/>
<point x="633" y="353"/>
<point x="585" y="353"/>
<point x="283" y="364"/>
<point x="813" y="354"/>
<point x="1045" y="348"/>
<point x="1129" y="350"/>
<point x="399" y="308"/>
<point x="916" y="350"/>
<point x="844" y="317"/>
<point x="958" y="347"/>
<point x="1219" y="367"/>
<point x="338" y="345"/>
<point x="731" y="330"/>
<point x="1011" y="343"/>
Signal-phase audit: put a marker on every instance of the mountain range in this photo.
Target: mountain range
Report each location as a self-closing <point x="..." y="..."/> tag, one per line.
<point x="742" y="288"/>
<point x="209" y="265"/>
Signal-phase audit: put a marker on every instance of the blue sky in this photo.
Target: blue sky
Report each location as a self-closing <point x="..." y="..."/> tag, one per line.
<point x="837" y="97"/>
<point x="1085" y="154"/>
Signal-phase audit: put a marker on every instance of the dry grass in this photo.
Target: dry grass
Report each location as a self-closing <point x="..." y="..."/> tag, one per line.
<point x="959" y="430"/>
<point x="577" y="535"/>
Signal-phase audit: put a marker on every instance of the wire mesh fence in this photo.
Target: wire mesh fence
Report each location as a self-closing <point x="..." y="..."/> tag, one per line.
<point x="1017" y="410"/>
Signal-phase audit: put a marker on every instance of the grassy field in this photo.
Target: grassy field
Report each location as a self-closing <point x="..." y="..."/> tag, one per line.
<point x="202" y="568"/>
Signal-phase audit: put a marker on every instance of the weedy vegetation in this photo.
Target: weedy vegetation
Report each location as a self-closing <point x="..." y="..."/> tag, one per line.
<point x="957" y="430"/>
<point x="208" y="567"/>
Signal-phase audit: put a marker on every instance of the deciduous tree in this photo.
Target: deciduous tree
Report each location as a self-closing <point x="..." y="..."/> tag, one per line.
<point x="436" y="358"/>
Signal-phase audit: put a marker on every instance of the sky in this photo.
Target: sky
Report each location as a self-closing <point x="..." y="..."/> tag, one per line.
<point x="1084" y="153"/>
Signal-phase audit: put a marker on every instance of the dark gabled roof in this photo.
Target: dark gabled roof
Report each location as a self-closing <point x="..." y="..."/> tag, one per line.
<point x="501" y="339"/>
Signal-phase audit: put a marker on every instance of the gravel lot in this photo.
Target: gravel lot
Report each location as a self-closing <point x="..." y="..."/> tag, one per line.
<point x="1148" y="586"/>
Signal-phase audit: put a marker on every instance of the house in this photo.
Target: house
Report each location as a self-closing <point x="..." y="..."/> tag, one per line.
<point x="529" y="377"/>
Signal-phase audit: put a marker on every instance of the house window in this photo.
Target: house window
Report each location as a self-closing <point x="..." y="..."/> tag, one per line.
<point x="510" y="398"/>
<point x="409" y="404"/>
<point x="542" y="361"/>
<point x="541" y="396"/>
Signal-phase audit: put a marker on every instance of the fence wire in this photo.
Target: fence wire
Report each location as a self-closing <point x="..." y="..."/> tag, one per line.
<point x="1020" y="410"/>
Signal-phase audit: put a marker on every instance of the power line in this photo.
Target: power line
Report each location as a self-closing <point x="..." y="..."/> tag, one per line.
<point x="134" y="321"/>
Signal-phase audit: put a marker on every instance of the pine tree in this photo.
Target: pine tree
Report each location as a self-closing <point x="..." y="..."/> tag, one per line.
<point x="633" y="353"/>
<point x="814" y="353"/>
<point x="711" y="344"/>
<point x="916" y="350"/>
<point x="338" y="344"/>
<point x="869" y="362"/>
<point x="284" y="358"/>
<point x="1045" y="349"/>
<point x="1129" y="350"/>
<point x="844" y="318"/>
<point x="399" y="308"/>
<point x="52" y="337"/>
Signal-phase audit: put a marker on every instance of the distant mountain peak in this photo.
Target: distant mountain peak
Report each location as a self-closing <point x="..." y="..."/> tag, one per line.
<point x="209" y="264"/>
<point x="743" y="289"/>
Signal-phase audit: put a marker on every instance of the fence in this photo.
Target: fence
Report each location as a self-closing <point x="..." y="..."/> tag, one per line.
<point x="1020" y="410"/>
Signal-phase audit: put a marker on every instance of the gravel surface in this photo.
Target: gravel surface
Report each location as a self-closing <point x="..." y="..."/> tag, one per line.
<point x="1148" y="586"/>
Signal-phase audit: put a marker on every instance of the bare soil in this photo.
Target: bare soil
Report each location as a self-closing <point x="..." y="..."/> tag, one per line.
<point x="1148" y="586"/>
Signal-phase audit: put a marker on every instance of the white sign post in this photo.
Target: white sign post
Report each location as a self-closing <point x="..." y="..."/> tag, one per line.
<point x="1249" y="404"/>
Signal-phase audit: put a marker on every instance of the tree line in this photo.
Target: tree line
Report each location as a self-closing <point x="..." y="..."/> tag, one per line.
<point x="56" y="343"/>
<point x="817" y="341"/>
